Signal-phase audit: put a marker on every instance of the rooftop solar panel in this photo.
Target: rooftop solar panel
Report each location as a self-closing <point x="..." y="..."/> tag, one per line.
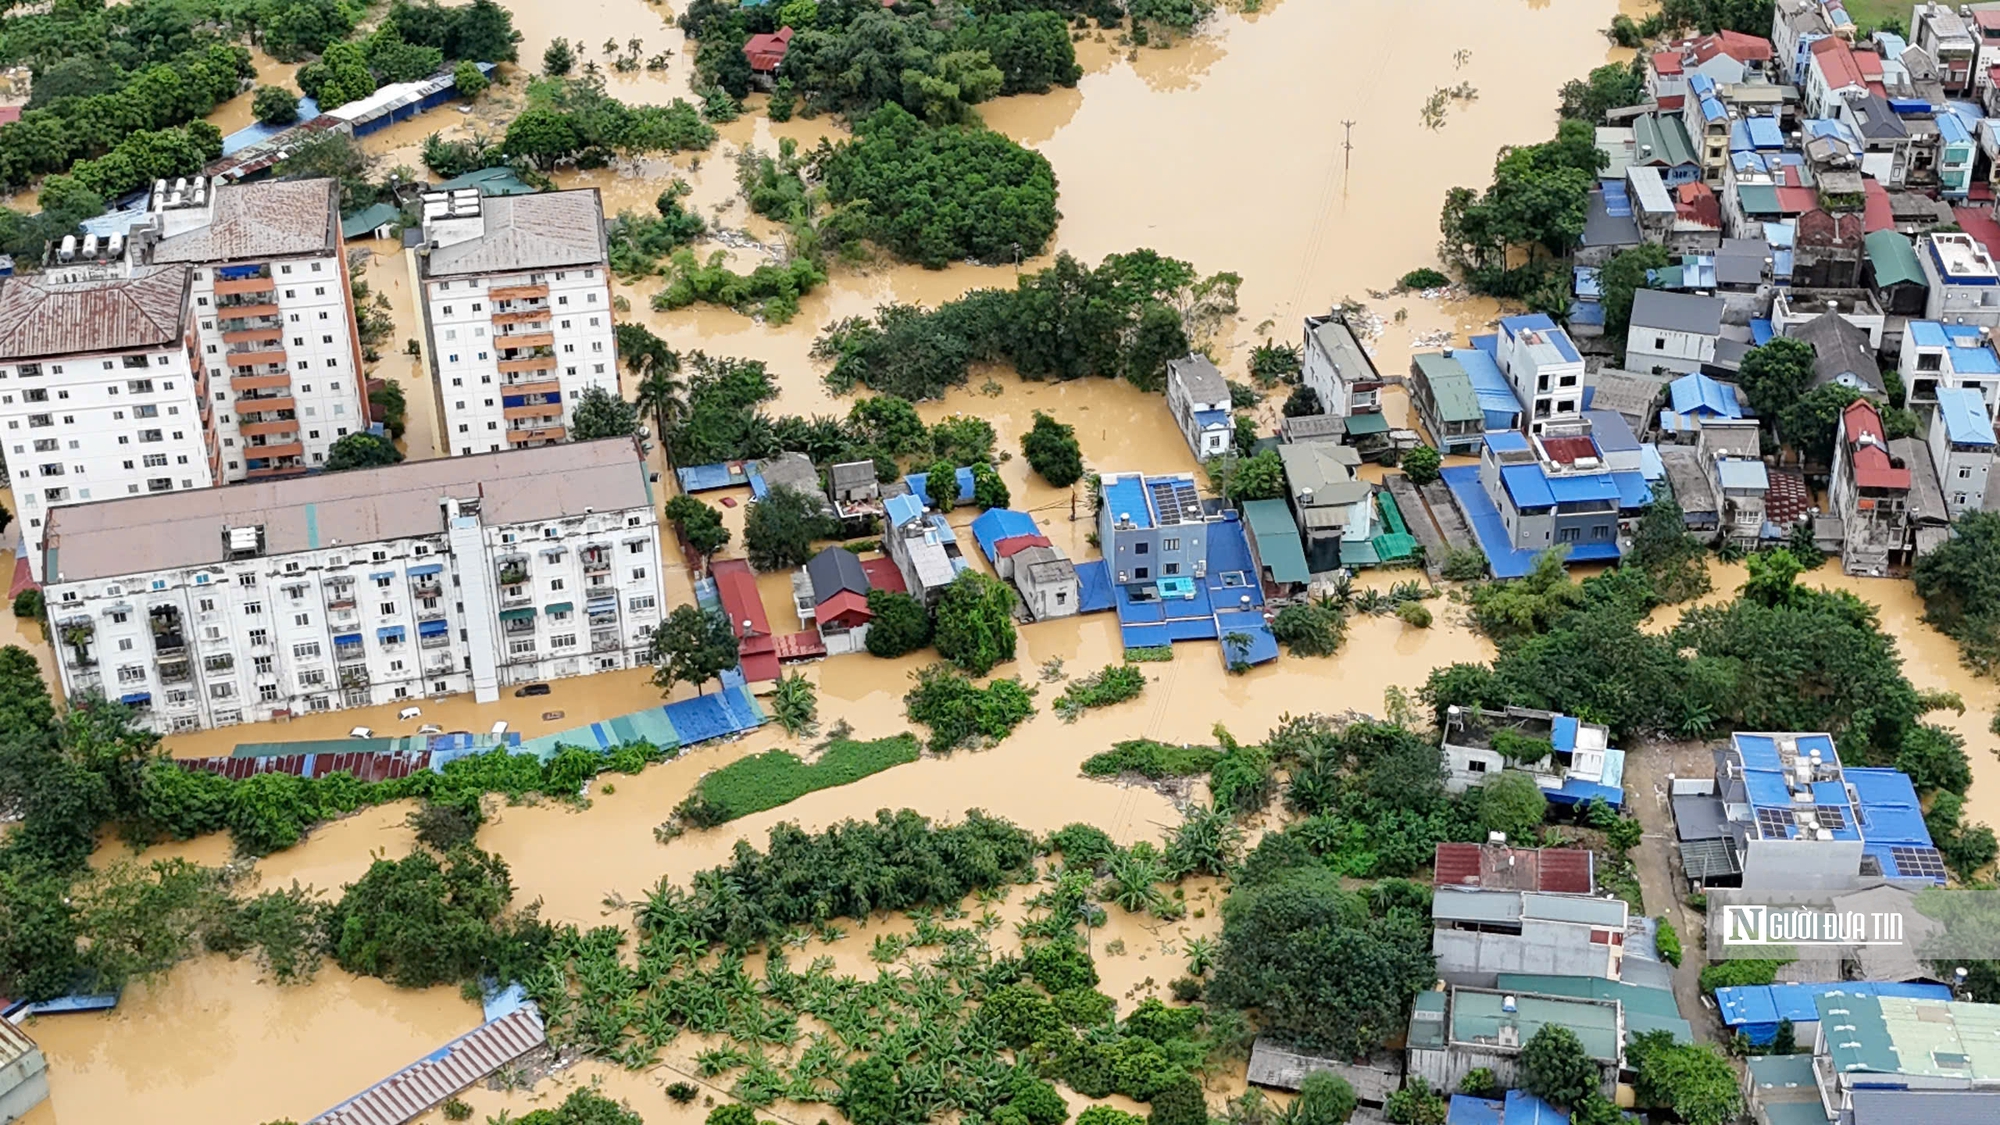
<point x="1831" y="816"/>
<point x="1774" y="823"/>
<point x="1920" y="862"/>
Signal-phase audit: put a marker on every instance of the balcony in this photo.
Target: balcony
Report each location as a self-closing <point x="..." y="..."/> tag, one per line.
<point x="278" y="380"/>
<point x="267" y="428"/>
<point x="521" y="312"/>
<point x="543" y="360"/>
<point x="442" y="640"/>
<point x="254" y="355"/>
<point x="520" y="627"/>
<point x="532" y="385"/>
<point x="428" y="588"/>
<point x="549" y="410"/>
<point x="244" y="308"/>
<point x="288" y="467"/>
<point x="605" y="642"/>
<point x="242" y="286"/>
<point x="513" y="570"/>
<point x="526" y="434"/>
<point x="176" y="672"/>
<point x="349" y="653"/>
<point x="516" y="600"/>
<point x="539" y="338"/>
<point x="444" y="667"/>
<point x="501" y="293"/>
<point x="261" y="404"/>
<point x="277" y="450"/>
<point x="354" y="677"/>
<point x="436" y="614"/>
<point x="250" y="329"/>
<point x="595" y="561"/>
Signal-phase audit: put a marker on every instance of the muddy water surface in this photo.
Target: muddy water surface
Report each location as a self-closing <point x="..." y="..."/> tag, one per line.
<point x="1225" y="151"/>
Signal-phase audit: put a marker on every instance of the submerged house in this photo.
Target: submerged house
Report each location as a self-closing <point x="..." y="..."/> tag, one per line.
<point x="923" y="546"/>
<point x="1181" y="569"/>
<point x="831" y="595"/>
<point x="1198" y="396"/>
<point x="1573" y="761"/>
<point x="1332" y="507"/>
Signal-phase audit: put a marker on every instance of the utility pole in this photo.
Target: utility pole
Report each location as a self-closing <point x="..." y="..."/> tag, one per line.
<point x="1347" y="147"/>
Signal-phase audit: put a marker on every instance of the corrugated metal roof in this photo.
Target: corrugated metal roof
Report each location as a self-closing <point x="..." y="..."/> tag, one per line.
<point x="271" y="218"/>
<point x="458" y="1064"/>
<point x="1277" y="536"/>
<point x="44" y="317"/>
<point x="553" y="228"/>
<point x="1964" y="412"/>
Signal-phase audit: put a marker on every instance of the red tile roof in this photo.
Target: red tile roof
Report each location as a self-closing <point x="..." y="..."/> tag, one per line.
<point x="736" y="585"/>
<point x="1870" y="64"/>
<point x="765" y="52"/>
<point x="1696" y="203"/>
<point x="1014" y="544"/>
<point x="1666" y="62"/>
<point x="1876" y="214"/>
<point x="1735" y="44"/>
<point x="1797" y="200"/>
<point x="1672" y="101"/>
<point x="1985" y="17"/>
<point x="1837" y="63"/>
<point x="1978" y="222"/>
<point x="1499" y="867"/>
<point x="1788" y="498"/>
<point x="846" y="608"/>
<point x="1868" y="450"/>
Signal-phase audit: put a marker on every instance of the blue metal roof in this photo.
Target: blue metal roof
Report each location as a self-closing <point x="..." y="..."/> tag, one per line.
<point x="1880" y="786"/>
<point x="1765" y="133"/>
<point x="1974" y="361"/>
<point x="920" y="485"/>
<point x="1126" y="496"/>
<point x="1093" y="581"/>
<point x="1711" y="110"/>
<point x="1633" y="491"/>
<point x="902" y="509"/>
<point x="1524" y="1108"/>
<point x="1699" y="393"/>
<point x="1651" y="466"/>
<point x="1211" y="419"/>
<point x="1562" y="733"/>
<point x="1589" y="282"/>
<point x="1495" y="393"/>
<point x="1528" y="485"/>
<point x="1894" y="824"/>
<point x="1964" y="414"/>
<point x="1952" y="129"/>
<point x="1583" y="488"/>
<point x="1532" y="322"/>
<point x="996" y="524"/>
<point x="1760" y="751"/>
<point x="1927" y="334"/>
<point x="1507" y="442"/>
<point x="1474" y="1111"/>
<point x="1759" y="1007"/>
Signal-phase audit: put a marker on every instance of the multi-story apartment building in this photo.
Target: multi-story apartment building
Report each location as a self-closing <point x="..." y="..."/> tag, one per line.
<point x="314" y="593"/>
<point x="102" y="394"/>
<point x="273" y="310"/>
<point x="517" y="306"/>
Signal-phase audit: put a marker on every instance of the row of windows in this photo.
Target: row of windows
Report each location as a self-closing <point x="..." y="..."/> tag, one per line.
<point x="318" y="291"/>
<point x="480" y="333"/>
<point x="501" y="283"/>
<point x="597" y="369"/>
<point x="130" y="362"/>
<point x="283" y="268"/>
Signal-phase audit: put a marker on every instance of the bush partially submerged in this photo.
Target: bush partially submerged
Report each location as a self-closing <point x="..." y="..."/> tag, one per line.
<point x="961" y="712"/>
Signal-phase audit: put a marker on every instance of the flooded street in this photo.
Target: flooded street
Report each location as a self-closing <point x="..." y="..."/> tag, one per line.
<point x="1225" y="151"/>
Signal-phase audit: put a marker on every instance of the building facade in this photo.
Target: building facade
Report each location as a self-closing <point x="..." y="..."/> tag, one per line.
<point x="1963" y="281"/>
<point x="1935" y="355"/>
<point x="1869" y="491"/>
<point x="211" y="607"/>
<point x="273" y="311"/>
<point x="1338" y="369"/>
<point x="102" y="391"/>
<point x="516" y="296"/>
<point x="1199" y="398"/>
<point x="1672" y="332"/>
<point x="1544" y="367"/>
<point x="1961" y="447"/>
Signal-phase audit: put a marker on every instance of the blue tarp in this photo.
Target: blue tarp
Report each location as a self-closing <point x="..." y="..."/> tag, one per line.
<point x="1467" y="1110"/>
<point x="1757" y="1009"/>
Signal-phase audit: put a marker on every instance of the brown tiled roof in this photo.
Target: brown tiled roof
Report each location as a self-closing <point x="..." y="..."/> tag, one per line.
<point x="1499" y="867"/>
<point x="269" y="219"/>
<point x="40" y="317"/>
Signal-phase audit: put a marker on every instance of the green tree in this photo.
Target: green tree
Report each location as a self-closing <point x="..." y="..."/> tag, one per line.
<point x="1608" y="87"/>
<point x="1622" y="276"/>
<point x="361" y="450"/>
<point x="692" y="646"/>
<point x="1673" y="560"/>
<point x="1254" y="478"/>
<point x="388" y="397"/>
<point x="899" y="624"/>
<point x="422" y="921"/>
<point x="542" y="137"/>
<point x="1555" y="1067"/>
<point x="1811" y="423"/>
<point x="779" y="530"/>
<point x="1031" y="49"/>
<point x="1421" y="465"/>
<point x="598" y="413"/>
<point x="700" y="524"/>
<point x="973" y="625"/>
<point x="1180" y="1102"/>
<point x="871" y="1095"/>
<point x="558" y="58"/>
<point x="1693" y="1080"/>
<point x="1776" y="374"/>
<point x="1959" y="582"/>
<point x="1511" y="802"/>
<point x="1416" y="1104"/>
<point x="988" y="490"/>
<point x="1052" y="451"/>
<point x="941" y="486"/>
<point x="1314" y="628"/>
<point x="274" y="105"/>
<point x="1324" y="1098"/>
<point x="1773" y="579"/>
<point x="468" y="80"/>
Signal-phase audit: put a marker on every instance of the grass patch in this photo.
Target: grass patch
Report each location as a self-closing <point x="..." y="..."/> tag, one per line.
<point x="1114" y="683"/>
<point x="1154" y="760"/>
<point x="1160" y="655"/>
<point x="765" y="781"/>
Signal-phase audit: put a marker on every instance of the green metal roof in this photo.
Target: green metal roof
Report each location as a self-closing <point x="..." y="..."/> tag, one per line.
<point x="359" y="224"/>
<point x="1373" y="423"/>
<point x="1895" y="261"/>
<point x="1646" y="1009"/>
<point x="1757" y="199"/>
<point x="1277" y="535"/>
<point x="1476" y="1016"/>
<point x="1660" y="138"/>
<point x="559" y="607"/>
<point x="1427" y="1020"/>
<point x="1396" y="543"/>
<point x="1450" y="387"/>
<point x="1898" y="1035"/>
<point x="489" y="181"/>
<point x="517" y="614"/>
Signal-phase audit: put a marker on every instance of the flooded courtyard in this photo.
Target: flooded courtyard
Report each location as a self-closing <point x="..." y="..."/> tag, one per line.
<point x="1227" y="151"/>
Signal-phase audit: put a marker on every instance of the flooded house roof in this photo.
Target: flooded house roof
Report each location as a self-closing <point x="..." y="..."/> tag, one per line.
<point x="1451" y="392"/>
<point x="1276" y="536"/>
<point x="1677" y="312"/>
<point x="836" y="570"/>
<point x="1322" y="475"/>
<point x="1199" y="379"/>
<point x="1868" y="449"/>
<point x="43" y="316"/>
<point x="1044" y="566"/>
<point x="766" y="51"/>
<point x="1279" y="1066"/>
<point x="1499" y="867"/>
<point x="266" y="219"/>
<point x="542" y="231"/>
<point x="171" y="530"/>
<point x="1335" y="340"/>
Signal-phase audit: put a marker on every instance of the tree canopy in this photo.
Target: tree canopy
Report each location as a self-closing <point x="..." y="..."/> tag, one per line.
<point x="1052" y="451"/>
<point x="1537" y="202"/>
<point x="361" y="450"/>
<point x="692" y="646"/>
<point x="779" y="530"/>
<point x="973" y="624"/>
<point x="598" y="413"/>
<point x="1959" y="582"/>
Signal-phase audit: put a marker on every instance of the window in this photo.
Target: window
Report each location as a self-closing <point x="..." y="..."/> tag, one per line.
<point x="1659" y="343"/>
<point x="1170" y="568"/>
<point x="388" y="609"/>
<point x="383" y="582"/>
<point x="1568" y="535"/>
<point x="1965" y="472"/>
<point x="641" y="603"/>
<point x="253" y="609"/>
<point x="259" y="638"/>
<point x="307" y="651"/>
<point x="521" y="648"/>
<point x="1141" y="573"/>
<point x="222" y="691"/>
<point x="637" y="546"/>
<point x="267" y="692"/>
<point x="1142" y="548"/>
<point x="246" y="580"/>
<point x="568" y="640"/>
<point x="1601" y="531"/>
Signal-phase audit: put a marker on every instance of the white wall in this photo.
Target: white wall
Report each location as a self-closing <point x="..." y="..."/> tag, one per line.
<point x="471" y="387"/>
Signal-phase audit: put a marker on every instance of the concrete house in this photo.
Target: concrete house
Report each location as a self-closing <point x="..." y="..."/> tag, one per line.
<point x="1338" y="369"/>
<point x="1580" y="763"/>
<point x="1833" y="75"/>
<point x="1942" y="33"/>
<point x="1199" y="398"/>
<point x="1961" y="447"/>
<point x="1841" y="355"/>
<point x="24" y="1073"/>
<point x="923" y="545"/>
<point x="1274" y="540"/>
<point x="1543" y="366"/>
<point x="1933" y="1046"/>
<point x="1442" y="393"/>
<point x="1661" y="142"/>
<point x="857" y="494"/>
<point x="837" y="588"/>
<point x="1869" y="493"/>
<point x="1741" y="485"/>
<point x="1694" y="401"/>
<point x="1479" y="934"/>
<point x="1047" y="582"/>
<point x="1936" y="355"/>
<point x="1962" y="279"/>
<point x="1672" y="331"/>
<point x="1554" y="489"/>
<point x="1795" y="26"/>
<point x="1499" y="867"/>
<point x="1459" y="1030"/>
<point x="1794" y="308"/>
<point x="1332" y="508"/>
<point x="1154" y="529"/>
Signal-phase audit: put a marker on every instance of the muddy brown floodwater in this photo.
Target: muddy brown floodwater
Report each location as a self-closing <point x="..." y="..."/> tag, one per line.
<point x="1226" y="151"/>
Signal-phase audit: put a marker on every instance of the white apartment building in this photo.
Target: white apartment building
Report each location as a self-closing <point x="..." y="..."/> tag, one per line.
<point x="517" y="306"/>
<point x="101" y="396"/>
<point x="1544" y="367"/>
<point x="319" y="592"/>
<point x="1963" y="279"/>
<point x="274" y="313"/>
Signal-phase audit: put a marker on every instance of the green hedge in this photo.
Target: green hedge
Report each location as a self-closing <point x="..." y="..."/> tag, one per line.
<point x="765" y="781"/>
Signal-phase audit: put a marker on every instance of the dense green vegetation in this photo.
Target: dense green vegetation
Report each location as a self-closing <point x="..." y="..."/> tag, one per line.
<point x="901" y="624"/>
<point x="1113" y="683"/>
<point x="769" y="291"/>
<point x="972" y="624"/>
<point x="1960" y="585"/>
<point x="960" y="712"/>
<point x="572" y="120"/>
<point x="1534" y="208"/>
<point x="1126" y="318"/>
<point x="1052" y="451"/>
<point x="1149" y="759"/>
<point x="779" y="530"/>
<point x="776" y="777"/>
<point x="692" y="646"/>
